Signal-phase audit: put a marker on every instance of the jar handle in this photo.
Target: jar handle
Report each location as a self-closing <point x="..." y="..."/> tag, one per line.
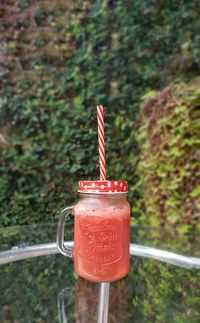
<point x="66" y="251"/>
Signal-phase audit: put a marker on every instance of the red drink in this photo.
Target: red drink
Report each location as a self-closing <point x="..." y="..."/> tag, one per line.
<point x="102" y="237"/>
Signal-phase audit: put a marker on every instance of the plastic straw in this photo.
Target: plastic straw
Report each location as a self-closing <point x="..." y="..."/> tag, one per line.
<point x="101" y="143"/>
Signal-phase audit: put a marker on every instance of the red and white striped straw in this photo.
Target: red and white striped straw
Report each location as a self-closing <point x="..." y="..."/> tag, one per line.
<point x="102" y="158"/>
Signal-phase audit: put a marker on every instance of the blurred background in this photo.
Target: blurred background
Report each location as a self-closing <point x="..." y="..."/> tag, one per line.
<point x="141" y="60"/>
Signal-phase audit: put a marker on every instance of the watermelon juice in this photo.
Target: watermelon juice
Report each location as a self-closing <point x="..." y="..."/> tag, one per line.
<point x="102" y="237"/>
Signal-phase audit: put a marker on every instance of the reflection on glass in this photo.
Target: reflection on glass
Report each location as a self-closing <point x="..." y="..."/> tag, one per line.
<point x="83" y="302"/>
<point x="152" y="292"/>
<point x="65" y="296"/>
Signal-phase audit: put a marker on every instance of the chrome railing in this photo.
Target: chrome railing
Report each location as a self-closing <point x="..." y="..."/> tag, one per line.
<point x="23" y="252"/>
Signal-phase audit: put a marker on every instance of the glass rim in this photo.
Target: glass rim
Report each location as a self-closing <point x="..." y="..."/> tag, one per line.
<point x="102" y="193"/>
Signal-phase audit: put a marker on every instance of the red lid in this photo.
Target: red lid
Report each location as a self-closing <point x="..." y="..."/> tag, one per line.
<point x="103" y="186"/>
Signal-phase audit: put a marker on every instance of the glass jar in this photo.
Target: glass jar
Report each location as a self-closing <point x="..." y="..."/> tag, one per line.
<point x="102" y="232"/>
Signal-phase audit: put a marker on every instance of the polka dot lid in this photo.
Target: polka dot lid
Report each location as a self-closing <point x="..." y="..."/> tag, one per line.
<point x="103" y="187"/>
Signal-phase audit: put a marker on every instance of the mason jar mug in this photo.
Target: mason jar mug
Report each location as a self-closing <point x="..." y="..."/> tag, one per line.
<point x="101" y="231"/>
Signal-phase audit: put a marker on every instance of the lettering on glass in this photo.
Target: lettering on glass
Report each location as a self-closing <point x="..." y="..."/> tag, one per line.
<point x="100" y="241"/>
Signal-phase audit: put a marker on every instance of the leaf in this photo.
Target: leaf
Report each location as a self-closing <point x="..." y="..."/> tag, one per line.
<point x="195" y="192"/>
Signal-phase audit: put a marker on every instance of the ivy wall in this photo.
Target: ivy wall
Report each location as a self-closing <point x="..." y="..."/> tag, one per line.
<point x="59" y="59"/>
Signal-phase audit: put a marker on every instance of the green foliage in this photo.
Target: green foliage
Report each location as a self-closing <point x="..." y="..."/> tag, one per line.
<point x="169" y="165"/>
<point x="59" y="60"/>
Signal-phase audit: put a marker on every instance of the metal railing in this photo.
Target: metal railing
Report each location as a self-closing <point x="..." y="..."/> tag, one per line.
<point x="24" y="252"/>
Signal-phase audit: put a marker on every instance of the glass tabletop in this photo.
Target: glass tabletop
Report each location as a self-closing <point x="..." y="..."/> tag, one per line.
<point x="45" y="288"/>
